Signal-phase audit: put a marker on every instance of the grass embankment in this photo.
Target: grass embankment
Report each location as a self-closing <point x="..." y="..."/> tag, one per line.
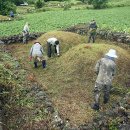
<point x="116" y="19"/>
<point x="70" y="78"/>
<point x="16" y="99"/>
<point x="3" y="18"/>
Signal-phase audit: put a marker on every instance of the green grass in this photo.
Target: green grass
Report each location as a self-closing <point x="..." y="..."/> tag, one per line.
<point x="116" y="19"/>
<point x="70" y="78"/>
<point x="118" y="3"/>
<point x="25" y="9"/>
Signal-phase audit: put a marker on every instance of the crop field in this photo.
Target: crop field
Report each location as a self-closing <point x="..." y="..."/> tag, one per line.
<point x="115" y="19"/>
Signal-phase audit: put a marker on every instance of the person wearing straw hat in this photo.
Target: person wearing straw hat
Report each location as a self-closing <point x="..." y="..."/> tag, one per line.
<point x="105" y="69"/>
<point x="36" y="52"/>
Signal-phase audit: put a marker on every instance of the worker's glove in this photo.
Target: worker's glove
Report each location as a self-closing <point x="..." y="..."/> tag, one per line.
<point x="30" y="58"/>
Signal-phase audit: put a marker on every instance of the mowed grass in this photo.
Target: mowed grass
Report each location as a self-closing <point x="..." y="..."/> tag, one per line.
<point x="116" y="19"/>
<point x="70" y="78"/>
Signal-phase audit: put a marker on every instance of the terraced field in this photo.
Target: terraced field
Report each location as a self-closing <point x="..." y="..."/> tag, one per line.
<point x="116" y="19"/>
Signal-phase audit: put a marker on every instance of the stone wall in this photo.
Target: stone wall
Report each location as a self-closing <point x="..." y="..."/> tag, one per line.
<point x="119" y="37"/>
<point x="18" y="38"/>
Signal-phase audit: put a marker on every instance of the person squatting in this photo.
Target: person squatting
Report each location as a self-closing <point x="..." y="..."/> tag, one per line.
<point x="52" y="42"/>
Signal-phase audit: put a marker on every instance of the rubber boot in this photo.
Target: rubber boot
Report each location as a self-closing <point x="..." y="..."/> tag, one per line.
<point x="44" y="63"/>
<point x="49" y="50"/>
<point x="96" y="106"/>
<point x="35" y="64"/>
<point x="105" y="100"/>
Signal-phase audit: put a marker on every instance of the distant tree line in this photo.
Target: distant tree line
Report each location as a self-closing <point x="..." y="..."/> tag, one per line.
<point x="6" y="6"/>
<point x="10" y="5"/>
<point x="97" y="4"/>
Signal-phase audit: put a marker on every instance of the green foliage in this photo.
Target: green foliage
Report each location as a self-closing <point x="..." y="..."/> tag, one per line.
<point x="18" y="103"/>
<point x="113" y="124"/>
<point x="118" y="3"/>
<point x="99" y="4"/>
<point x="6" y="7"/>
<point x="17" y="2"/>
<point x="114" y="19"/>
<point x="31" y="1"/>
<point x="39" y="4"/>
<point x="67" y="6"/>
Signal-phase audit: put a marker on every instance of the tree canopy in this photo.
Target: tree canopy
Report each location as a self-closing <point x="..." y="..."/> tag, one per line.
<point x="98" y="4"/>
<point x="6" y="7"/>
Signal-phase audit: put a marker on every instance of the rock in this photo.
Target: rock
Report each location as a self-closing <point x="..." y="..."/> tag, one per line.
<point x="41" y="93"/>
<point x="1" y="42"/>
<point x="82" y="29"/>
<point x="124" y="127"/>
<point x="19" y="38"/>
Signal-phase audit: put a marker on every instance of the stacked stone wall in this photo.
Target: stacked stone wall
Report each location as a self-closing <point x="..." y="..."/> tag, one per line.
<point x="105" y="34"/>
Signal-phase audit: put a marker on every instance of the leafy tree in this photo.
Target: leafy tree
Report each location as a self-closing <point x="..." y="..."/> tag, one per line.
<point x="31" y="1"/>
<point x="6" y="7"/>
<point x="98" y="4"/>
<point x="17" y="2"/>
<point x="39" y="3"/>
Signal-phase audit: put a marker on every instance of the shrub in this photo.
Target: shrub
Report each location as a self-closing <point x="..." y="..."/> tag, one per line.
<point x="67" y="6"/>
<point x="6" y="7"/>
<point x="39" y="4"/>
<point x="17" y="2"/>
<point x="113" y="124"/>
<point x="98" y="4"/>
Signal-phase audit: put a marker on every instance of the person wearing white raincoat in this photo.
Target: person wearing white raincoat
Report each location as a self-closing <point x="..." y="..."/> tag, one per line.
<point x="52" y="42"/>
<point x="36" y="52"/>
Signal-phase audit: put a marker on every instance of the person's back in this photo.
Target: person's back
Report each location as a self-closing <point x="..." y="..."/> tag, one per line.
<point x="36" y="53"/>
<point x="52" y="40"/>
<point x="106" y="71"/>
<point x="37" y="49"/>
<point x="11" y="14"/>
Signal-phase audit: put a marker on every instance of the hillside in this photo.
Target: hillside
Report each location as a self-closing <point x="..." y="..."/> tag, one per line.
<point x="69" y="79"/>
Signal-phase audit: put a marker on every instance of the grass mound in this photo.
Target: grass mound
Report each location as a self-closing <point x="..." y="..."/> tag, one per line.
<point x="70" y="78"/>
<point x="67" y="39"/>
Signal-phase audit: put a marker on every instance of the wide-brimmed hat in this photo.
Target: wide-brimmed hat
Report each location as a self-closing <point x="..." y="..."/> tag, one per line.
<point x="37" y="42"/>
<point x="112" y="53"/>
